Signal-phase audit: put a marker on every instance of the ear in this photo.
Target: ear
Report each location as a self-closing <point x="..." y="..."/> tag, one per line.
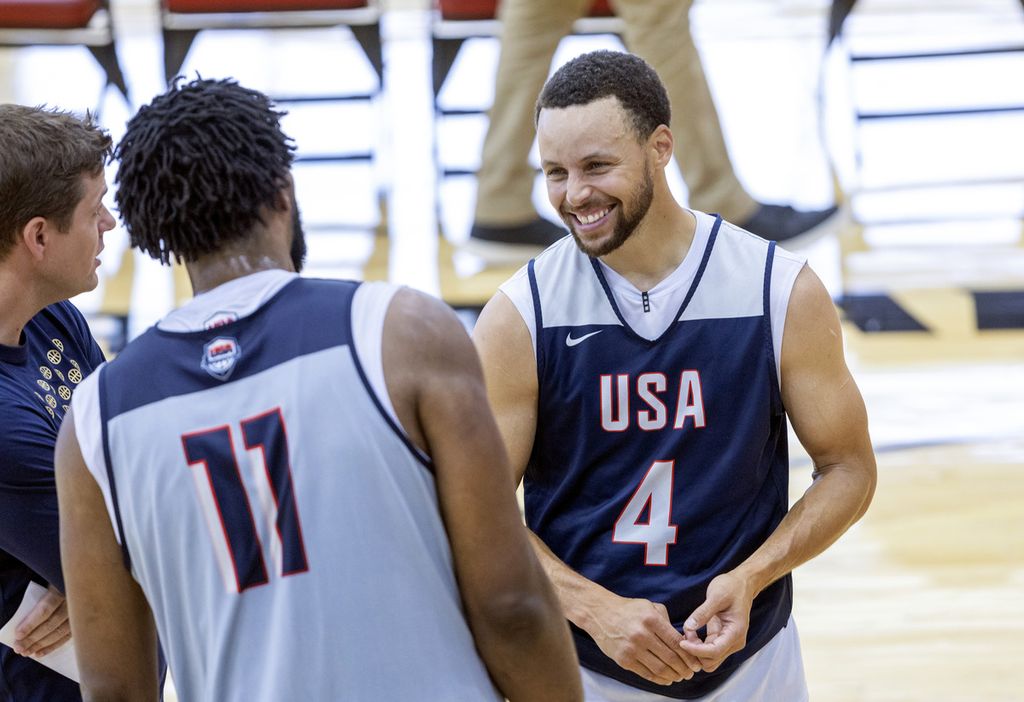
<point x="281" y="202"/>
<point x="284" y="197"/>
<point x="661" y="143"/>
<point x="35" y="236"/>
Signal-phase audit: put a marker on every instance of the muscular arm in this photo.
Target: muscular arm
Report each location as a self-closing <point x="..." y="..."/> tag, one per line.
<point x="830" y="420"/>
<point x="635" y="633"/>
<point x="115" y="635"/>
<point x="433" y="377"/>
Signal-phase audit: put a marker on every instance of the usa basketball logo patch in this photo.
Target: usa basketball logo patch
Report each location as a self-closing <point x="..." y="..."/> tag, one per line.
<point x="220" y="357"/>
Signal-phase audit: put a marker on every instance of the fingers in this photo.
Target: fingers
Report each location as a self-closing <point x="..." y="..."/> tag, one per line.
<point x="719" y="645"/>
<point x="700" y="618"/>
<point x="46" y="606"/>
<point x="54" y="640"/>
<point x="684" y="664"/>
<point x="43" y="626"/>
<point x="668" y="662"/>
<point x="656" y="670"/>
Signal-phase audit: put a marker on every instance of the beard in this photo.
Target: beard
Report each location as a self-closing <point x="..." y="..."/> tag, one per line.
<point x="627" y="221"/>
<point x="298" y="248"/>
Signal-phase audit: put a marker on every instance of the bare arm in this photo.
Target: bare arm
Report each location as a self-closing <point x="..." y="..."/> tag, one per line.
<point x="434" y="380"/>
<point x="635" y="633"/>
<point x="828" y="415"/>
<point x="115" y="637"/>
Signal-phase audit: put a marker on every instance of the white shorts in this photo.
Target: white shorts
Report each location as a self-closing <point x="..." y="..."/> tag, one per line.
<point x="773" y="674"/>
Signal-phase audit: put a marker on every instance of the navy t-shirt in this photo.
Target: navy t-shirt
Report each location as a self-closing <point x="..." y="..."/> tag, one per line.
<point x="37" y="379"/>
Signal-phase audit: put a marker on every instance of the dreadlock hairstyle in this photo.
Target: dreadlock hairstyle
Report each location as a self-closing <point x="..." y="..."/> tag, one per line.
<point x="196" y="167"/>
<point x="600" y="74"/>
<point x="44" y="153"/>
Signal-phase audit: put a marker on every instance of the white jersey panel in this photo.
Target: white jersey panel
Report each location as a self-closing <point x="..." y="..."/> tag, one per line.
<point x="369" y="307"/>
<point x="85" y="407"/>
<point x="375" y="612"/>
<point x="377" y="616"/>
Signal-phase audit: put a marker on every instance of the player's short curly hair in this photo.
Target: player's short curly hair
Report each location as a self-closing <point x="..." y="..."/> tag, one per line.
<point x="44" y="153"/>
<point x="197" y="165"/>
<point x="600" y="74"/>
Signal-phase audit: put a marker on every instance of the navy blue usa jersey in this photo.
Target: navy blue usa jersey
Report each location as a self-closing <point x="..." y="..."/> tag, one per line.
<point x="37" y="379"/>
<point x="660" y="464"/>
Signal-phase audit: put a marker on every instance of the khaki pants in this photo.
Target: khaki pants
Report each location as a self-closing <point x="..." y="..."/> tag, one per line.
<point x="656" y="30"/>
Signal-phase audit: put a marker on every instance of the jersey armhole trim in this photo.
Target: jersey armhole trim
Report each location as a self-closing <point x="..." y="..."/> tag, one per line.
<point x="538" y="319"/>
<point x="776" y="392"/>
<point x="102" y="390"/>
<point x="415" y="450"/>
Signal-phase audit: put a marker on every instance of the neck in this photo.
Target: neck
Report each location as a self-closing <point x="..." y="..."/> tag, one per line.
<point x="17" y="308"/>
<point x="656" y="248"/>
<point x="212" y="271"/>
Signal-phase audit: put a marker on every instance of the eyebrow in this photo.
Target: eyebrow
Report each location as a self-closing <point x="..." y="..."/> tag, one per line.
<point x="592" y="156"/>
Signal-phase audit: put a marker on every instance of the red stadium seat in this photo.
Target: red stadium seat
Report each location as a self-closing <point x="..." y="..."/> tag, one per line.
<point x="487" y="9"/>
<point x="64" y="22"/>
<point x="182" y="20"/>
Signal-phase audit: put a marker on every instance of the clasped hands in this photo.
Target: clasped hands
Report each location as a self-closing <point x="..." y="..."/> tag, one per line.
<point x="638" y="634"/>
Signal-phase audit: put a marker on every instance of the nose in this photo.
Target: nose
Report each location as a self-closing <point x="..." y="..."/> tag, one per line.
<point x="107" y="221"/>
<point x="577" y="190"/>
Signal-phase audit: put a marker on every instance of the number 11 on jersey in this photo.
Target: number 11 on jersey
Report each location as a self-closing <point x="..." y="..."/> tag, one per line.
<point x="653" y="496"/>
<point x="226" y="504"/>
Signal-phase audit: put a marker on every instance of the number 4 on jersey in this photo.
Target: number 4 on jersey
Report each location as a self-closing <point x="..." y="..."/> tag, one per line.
<point x="654" y="497"/>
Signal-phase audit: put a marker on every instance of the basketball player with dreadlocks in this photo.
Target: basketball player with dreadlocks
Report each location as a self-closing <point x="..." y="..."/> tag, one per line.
<point x="297" y="481"/>
<point x="52" y="221"/>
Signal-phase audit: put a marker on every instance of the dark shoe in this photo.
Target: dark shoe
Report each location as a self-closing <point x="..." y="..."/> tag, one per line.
<point x="789" y="227"/>
<point x="510" y="245"/>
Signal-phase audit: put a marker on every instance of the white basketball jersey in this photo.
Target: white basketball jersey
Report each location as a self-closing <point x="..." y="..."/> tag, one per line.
<point x="285" y="531"/>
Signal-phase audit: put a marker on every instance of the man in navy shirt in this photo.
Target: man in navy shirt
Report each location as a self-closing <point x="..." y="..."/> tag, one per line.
<point x="52" y="221"/>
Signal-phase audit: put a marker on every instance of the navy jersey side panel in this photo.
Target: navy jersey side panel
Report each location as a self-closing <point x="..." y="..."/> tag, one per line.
<point x="658" y="465"/>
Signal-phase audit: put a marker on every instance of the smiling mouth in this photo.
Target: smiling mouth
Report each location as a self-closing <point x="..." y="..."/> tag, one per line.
<point x="592" y="218"/>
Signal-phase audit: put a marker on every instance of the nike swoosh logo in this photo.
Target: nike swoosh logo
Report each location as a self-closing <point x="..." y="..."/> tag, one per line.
<point x="569" y="341"/>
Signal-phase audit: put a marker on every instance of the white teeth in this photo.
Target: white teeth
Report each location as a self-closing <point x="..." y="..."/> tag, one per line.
<point x="590" y="219"/>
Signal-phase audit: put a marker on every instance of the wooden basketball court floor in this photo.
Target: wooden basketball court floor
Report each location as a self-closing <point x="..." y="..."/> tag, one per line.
<point x="924" y="599"/>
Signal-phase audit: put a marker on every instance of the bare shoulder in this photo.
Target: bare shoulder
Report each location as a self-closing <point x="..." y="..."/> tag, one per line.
<point x="502" y="337"/>
<point x="428" y="359"/>
<point x="812" y="323"/>
<point x="426" y="330"/>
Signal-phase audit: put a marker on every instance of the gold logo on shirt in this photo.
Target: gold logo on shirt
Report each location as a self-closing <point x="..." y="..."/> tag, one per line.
<point x="51" y="401"/>
<point x="75" y="375"/>
<point x="65" y="392"/>
<point x="44" y="385"/>
<point x="53" y="356"/>
<point x="45" y="372"/>
<point x="58" y="343"/>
